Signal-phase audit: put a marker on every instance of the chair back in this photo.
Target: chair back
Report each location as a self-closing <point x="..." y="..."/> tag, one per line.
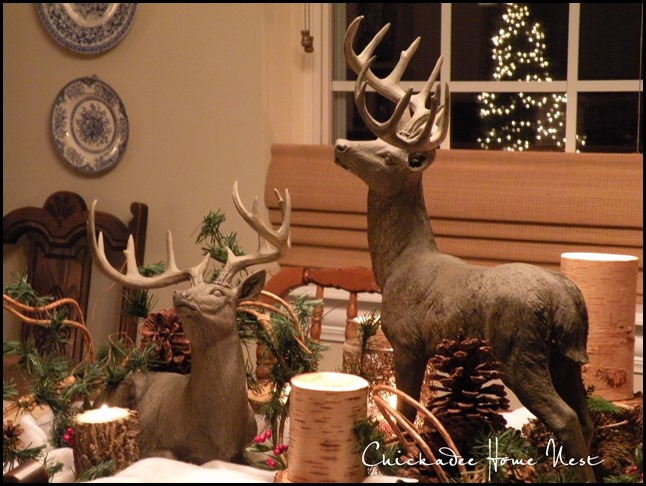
<point x="59" y="262"/>
<point x="353" y="280"/>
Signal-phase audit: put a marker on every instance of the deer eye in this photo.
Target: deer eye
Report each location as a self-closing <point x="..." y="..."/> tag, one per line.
<point x="417" y="159"/>
<point x="388" y="159"/>
<point x="217" y="293"/>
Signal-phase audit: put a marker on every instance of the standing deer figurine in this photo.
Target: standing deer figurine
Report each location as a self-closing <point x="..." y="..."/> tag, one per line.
<point x="205" y="415"/>
<point x="534" y="319"/>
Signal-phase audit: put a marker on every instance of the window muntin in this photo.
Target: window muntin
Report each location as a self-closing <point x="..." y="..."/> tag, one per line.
<point x="566" y="23"/>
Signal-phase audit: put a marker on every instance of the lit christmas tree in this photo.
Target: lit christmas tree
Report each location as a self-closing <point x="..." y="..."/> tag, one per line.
<point x="521" y="121"/>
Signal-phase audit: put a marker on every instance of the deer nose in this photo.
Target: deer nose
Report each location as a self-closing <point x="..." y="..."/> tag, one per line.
<point x="341" y="147"/>
<point x="183" y="293"/>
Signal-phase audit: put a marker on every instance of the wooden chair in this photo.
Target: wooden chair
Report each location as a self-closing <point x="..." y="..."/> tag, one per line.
<point x="353" y="280"/>
<point x="59" y="258"/>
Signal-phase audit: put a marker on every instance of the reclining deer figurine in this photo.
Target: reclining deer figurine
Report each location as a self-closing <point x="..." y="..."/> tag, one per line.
<point x="535" y="319"/>
<point x="205" y="415"/>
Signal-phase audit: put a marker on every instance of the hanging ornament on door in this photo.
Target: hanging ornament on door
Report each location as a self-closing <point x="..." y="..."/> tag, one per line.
<point x="307" y="41"/>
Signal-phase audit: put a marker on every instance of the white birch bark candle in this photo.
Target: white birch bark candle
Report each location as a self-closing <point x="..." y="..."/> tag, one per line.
<point x="324" y="407"/>
<point x="106" y="433"/>
<point x="609" y="286"/>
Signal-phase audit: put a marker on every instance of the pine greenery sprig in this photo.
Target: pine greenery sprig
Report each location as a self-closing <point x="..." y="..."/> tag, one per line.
<point x="138" y="302"/>
<point x="284" y="344"/>
<point x="15" y="455"/>
<point x="9" y="390"/>
<point x="601" y="405"/>
<point x="214" y="242"/>
<point x="384" y="453"/>
<point x="508" y="444"/>
<point x="368" y="325"/>
<point x="101" y="470"/>
<point x="52" y="467"/>
<point x="22" y="291"/>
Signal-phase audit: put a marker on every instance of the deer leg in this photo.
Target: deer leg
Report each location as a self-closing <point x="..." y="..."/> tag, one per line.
<point x="409" y="374"/>
<point x="535" y="390"/>
<point x="567" y="379"/>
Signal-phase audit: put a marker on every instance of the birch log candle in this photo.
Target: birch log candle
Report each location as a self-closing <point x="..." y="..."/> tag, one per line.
<point x="609" y="286"/>
<point x="324" y="407"/>
<point x="106" y="433"/>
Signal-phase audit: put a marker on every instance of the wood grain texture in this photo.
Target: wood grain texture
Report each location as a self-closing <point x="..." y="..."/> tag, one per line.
<point x="59" y="260"/>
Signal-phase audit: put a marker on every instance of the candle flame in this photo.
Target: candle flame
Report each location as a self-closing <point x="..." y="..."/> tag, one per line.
<point x="392" y="400"/>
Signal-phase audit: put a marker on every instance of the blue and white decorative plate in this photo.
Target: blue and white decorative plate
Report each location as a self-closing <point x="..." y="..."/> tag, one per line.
<point x="89" y="125"/>
<point x="88" y="28"/>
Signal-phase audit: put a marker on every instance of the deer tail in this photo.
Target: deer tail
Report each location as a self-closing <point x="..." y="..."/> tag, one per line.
<point x="572" y="319"/>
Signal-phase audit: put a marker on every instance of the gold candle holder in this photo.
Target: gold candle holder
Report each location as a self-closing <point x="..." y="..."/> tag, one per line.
<point x="609" y="286"/>
<point x="106" y="433"/>
<point x="324" y="407"/>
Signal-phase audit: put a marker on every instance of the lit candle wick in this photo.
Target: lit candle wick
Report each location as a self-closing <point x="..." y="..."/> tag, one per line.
<point x="103" y="414"/>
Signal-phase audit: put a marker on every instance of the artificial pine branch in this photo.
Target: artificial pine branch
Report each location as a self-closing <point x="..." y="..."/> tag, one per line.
<point x="368" y="326"/>
<point x="601" y="405"/>
<point x="508" y="443"/>
<point x="214" y="242"/>
<point x="101" y="470"/>
<point x="386" y="453"/>
<point x="9" y="390"/>
<point x="285" y="345"/>
<point x="138" y="302"/>
<point x="22" y="291"/>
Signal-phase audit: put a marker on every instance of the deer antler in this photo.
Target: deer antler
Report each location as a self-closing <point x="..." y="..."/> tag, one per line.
<point x="415" y="134"/>
<point x="271" y="243"/>
<point x="133" y="278"/>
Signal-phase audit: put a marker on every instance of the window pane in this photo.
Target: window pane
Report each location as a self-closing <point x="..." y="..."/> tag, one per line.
<point x="515" y="40"/>
<point x="355" y="129"/>
<point x="607" y="122"/>
<point x="408" y="21"/>
<point x="508" y="121"/>
<point x="610" y="41"/>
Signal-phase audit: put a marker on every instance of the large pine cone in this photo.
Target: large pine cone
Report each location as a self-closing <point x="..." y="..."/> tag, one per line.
<point x="465" y="401"/>
<point x="172" y="348"/>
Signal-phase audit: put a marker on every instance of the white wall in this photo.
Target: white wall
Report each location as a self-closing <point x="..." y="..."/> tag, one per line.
<point x="207" y="88"/>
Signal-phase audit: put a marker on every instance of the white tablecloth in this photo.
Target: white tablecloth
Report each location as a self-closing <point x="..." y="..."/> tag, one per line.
<point x="157" y="470"/>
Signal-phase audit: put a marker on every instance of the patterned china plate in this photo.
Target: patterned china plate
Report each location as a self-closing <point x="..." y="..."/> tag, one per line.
<point x="87" y="28"/>
<point x="89" y="125"/>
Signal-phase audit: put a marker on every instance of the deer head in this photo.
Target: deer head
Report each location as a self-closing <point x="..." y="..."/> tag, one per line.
<point x="204" y="301"/>
<point x="407" y="141"/>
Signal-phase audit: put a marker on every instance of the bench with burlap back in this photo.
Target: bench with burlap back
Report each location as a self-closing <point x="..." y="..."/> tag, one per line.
<point x="486" y="207"/>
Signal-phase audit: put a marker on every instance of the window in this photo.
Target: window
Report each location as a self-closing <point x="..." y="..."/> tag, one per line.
<point x="514" y="84"/>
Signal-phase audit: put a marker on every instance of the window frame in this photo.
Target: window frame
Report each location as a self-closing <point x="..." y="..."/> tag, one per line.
<point x="323" y="125"/>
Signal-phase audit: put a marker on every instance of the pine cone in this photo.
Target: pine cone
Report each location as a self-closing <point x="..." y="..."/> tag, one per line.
<point x="421" y="472"/>
<point x="537" y="433"/>
<point x="465" y="402"/>
<point x="11" y="436"/>
<point x="615" y="439"/>
<point x="173" y="349"/>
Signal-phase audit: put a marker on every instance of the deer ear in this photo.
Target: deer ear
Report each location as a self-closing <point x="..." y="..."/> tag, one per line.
<point x="252" y="285"/>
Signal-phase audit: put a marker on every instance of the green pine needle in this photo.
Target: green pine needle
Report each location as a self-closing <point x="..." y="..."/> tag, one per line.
<point x="368" y="432"/>
<point x="598" y="404"/>
<point x="22" y="291"/>
<point x="101" y="470"/>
